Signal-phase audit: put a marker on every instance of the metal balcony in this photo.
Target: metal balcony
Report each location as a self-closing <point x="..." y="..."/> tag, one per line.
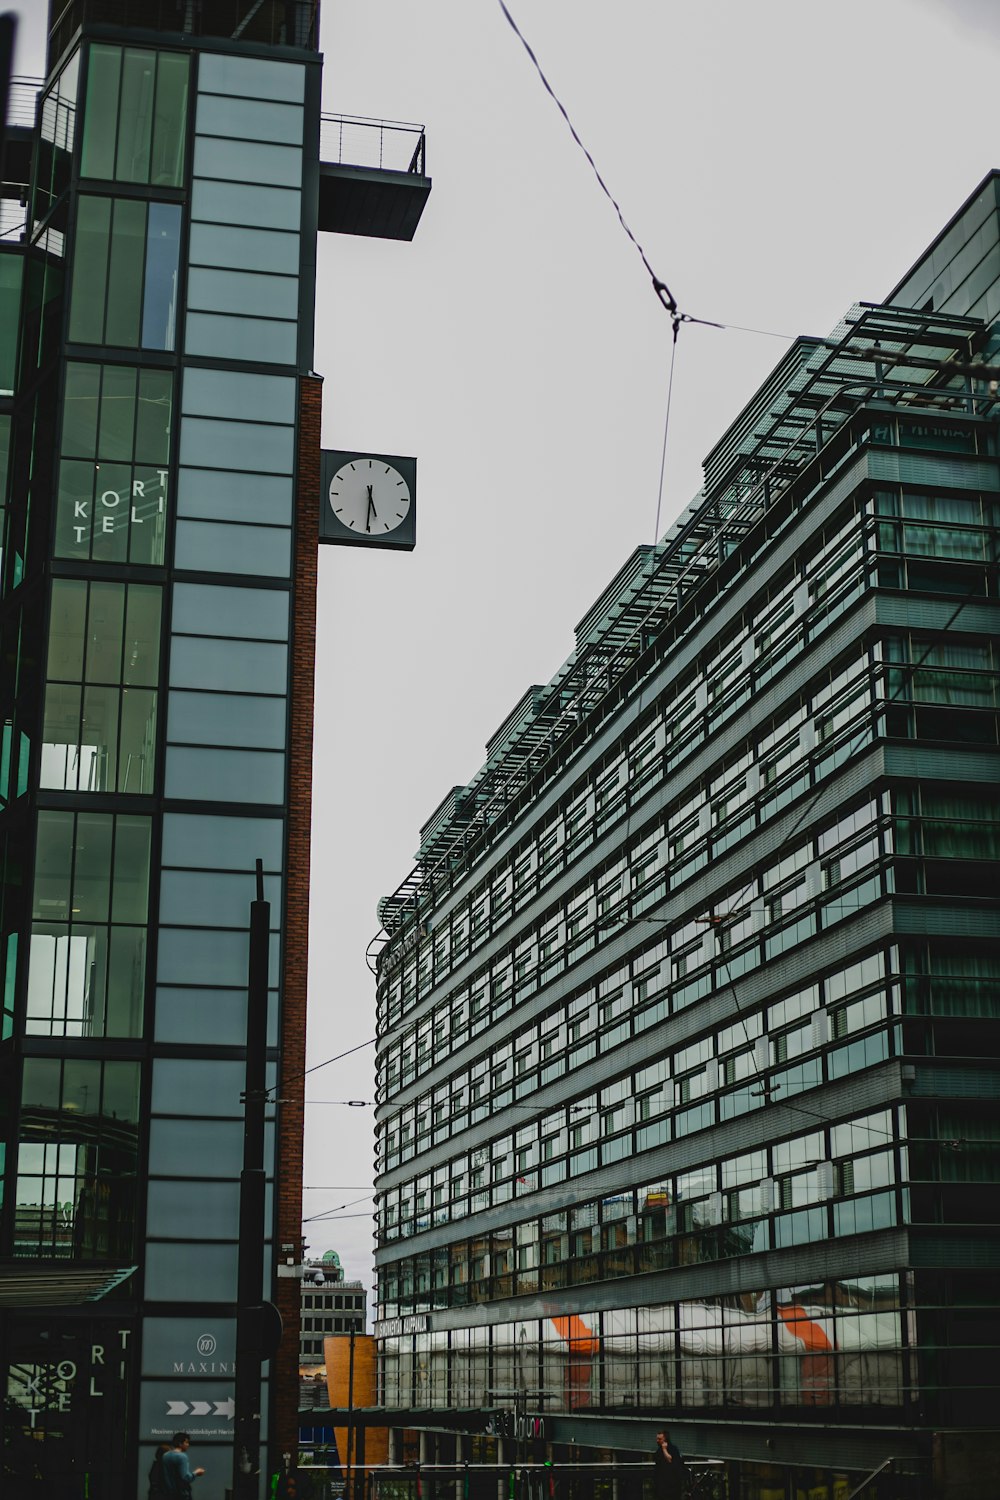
<point x="372" y="177"/>
<point x="22" y="103"/>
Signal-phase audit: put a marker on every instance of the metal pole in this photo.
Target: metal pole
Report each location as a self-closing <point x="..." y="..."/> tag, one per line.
<point x="249" y="1312"/>
<point x="350" y="1420"/>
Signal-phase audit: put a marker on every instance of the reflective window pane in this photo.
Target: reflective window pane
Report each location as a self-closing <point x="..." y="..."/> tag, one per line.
<point x="100" y="121"/>
<point x="261" y="551"/>
<point x="223" y="496"/>
<point x="226" y="719"/>
<point x="247" y="614"/>
<point x="221" y="843"/>
<point x="264" y="339"/>
<point x="224" y="775"/>
<point x="251" y="249"/>
<point x="248" y="78"/>
<point x="159" y="307"/>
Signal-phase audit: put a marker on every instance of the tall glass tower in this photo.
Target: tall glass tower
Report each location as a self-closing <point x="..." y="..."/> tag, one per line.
<point x="160" y="431"/>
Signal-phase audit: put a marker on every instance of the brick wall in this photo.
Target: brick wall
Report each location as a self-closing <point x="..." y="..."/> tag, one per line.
<point x="285" y="1368"/>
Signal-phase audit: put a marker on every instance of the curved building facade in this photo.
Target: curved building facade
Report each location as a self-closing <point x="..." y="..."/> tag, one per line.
<point x="688" y="1015"/>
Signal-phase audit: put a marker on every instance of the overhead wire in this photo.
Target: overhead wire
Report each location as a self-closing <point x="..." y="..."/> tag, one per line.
<point x="663" y="292"/>
<point x="664" y="295"/>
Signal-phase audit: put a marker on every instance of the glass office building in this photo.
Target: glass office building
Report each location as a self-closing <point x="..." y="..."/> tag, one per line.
<point x="159" y="427"/>
<point x="688" y="1014"/>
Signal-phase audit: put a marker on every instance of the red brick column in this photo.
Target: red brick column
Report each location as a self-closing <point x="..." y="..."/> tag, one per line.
<point x="285" y="1369"/>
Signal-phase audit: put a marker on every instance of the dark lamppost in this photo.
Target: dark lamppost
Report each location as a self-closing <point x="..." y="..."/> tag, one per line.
<point x="258" y="1323"/>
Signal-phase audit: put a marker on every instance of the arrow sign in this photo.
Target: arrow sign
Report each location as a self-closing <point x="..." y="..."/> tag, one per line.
<point x="226" y="1408"/>
<point x="200" y="1408"/>
<point x="176" y="1408"/>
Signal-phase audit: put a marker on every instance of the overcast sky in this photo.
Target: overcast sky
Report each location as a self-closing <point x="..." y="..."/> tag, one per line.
<point x="778" y="161"/>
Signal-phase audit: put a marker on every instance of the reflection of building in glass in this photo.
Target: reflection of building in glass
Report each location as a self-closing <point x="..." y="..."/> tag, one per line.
<point x="159" y="459"/>
<point x="686" y="1014"/>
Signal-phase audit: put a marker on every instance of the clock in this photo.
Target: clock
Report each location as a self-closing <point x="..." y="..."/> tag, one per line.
<point x="368" y="500"/>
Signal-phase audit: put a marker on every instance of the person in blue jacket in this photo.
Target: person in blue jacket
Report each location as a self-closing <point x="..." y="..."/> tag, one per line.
<point x="177" y="1472"/>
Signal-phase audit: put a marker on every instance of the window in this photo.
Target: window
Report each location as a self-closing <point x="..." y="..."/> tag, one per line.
<point x="76" y="1167"/>
<point x="124" y="286"/>
<point x="86" y="968"/>
<point x="135" y="116"/>
<point x="99" y="730"/>
<point x="115" y="448"/>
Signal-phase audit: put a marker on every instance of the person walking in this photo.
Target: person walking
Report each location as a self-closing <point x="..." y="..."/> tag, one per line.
<point x="668" y="1469"/>
<point x="157" y="1480"/>
<point x="177" y="1472"/>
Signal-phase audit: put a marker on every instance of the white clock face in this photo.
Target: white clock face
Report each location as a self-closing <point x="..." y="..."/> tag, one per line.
<point x="369" y="497"/>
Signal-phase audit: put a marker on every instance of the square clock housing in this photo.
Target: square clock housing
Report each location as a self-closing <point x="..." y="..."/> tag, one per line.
<point x="368" y="500"/>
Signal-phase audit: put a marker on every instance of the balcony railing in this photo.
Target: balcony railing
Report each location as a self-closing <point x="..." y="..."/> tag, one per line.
<point x="22" y="101"/>
<point x="379" y="145"/>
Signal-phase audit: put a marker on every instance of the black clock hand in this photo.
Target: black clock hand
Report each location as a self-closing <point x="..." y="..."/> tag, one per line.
<point x="371" y="510"/>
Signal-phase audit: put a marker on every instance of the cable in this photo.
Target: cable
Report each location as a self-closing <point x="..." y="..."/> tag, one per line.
<point x="351" y="1103"/>
<point x="335" y="1214"/>
<point x="666" y="430"/>
<point x="328" y="1211"/>
<point x="660" y="287"/>
<point x="766" y="333"/>
<point x="360" y="1047"/>
<point x="315" y="1068"/>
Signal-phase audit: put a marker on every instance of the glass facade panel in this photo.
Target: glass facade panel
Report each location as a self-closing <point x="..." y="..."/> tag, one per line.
<point x="246" y="613"/>
<point x="251" y="78"/>
<point x="225" y="775"/>
<point x="173" y="1267"/>
<point x="191" y="957"/>
<point x="240" y="396"/>
<point x="11" y="275"/>
<point x="99" y="731"/>
<point x="125" y="267"/>
<point x="135" y="116"/>
<point x="173" y="1207"/>
<point x="214" y="900"/>
<point x="241" y="203"/>
<point x="217" y="495"/>
<point x="247" y="161"/>
<point x="226" y="719"/>
<point x="243" y="292"/>
<point x="199" y="1086"/>
<point x="254" y="339"/>
<point x="77" y="1158"/>
<point x="258" y="446"/>
<point x="176" y="1146"/>
<point x="228" y="666"/>
<point x="250" y="249"/>
<point x="249" y="120"/>
<point x="214" y="842"/>
<point x="86" y="970"/>
<point x="258" y="551"/>
<point x="115" y="508"/>
<point x="217" y="1017"/>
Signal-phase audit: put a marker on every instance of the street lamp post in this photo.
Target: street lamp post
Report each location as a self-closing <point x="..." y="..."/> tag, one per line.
<point x="258" y="1323"/>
